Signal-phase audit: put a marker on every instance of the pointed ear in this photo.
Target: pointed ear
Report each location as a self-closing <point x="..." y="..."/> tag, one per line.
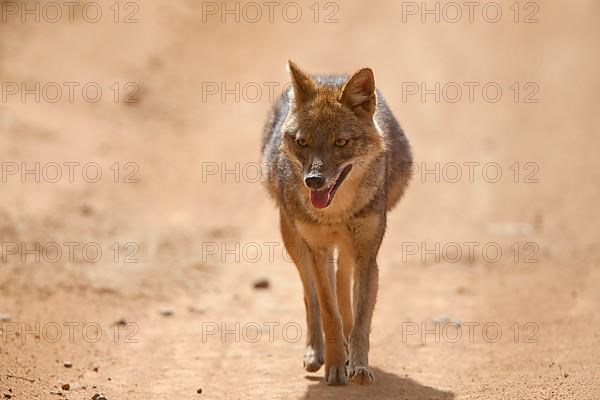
<point x="304" y="87"/>
<point x="358" y="93"/>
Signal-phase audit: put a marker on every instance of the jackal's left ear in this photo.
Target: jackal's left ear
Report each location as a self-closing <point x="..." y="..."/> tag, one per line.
<point x="358" y="93"/>
<point x="304" y="87"/>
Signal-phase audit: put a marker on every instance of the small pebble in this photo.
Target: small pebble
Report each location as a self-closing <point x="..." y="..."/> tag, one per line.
<point x="65" y="386"/>
<point x="262" y="283"/>
<point x="566" y="375"/>
<point x="7" y="395"/>
<point x="199" y="391"/>
<point x="68" y="364"/>
<point x="99" y="396"/>
<point x="462" y="290"/>
<point x="4" y="317"/>
<point x="445" y="319"/>
<point x="166" y="312"/>
<point x="121" y="322"/>
<point x="86" y="209"/>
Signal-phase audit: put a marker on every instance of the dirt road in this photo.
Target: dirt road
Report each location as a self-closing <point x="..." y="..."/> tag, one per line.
<point x="133" y="227"/>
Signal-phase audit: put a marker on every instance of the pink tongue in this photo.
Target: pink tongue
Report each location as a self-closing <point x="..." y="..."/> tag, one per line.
<point x="320" y="198"/>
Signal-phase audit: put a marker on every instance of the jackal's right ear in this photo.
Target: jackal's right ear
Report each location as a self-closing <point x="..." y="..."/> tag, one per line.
<point x="304" y="87"/>
<point x="358" y="93"/>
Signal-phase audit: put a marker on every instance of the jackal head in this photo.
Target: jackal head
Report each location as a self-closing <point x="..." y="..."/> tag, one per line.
<point x="329" y="133"/>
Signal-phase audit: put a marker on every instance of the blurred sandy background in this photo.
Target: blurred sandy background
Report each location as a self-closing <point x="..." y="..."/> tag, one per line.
<point x="170" y="57"/>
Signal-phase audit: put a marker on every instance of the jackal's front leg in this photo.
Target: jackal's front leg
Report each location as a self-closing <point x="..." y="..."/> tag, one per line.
<point x="367" y="236"/>
<point x="302" y="256"/>
<point x="335" y="342"/>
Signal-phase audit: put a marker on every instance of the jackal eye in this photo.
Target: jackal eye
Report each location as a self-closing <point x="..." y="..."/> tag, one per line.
<point x="341" y="142"/>
<point x="301" y="142"/>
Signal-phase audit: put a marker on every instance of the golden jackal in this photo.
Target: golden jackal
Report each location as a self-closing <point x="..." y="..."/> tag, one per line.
<point x="337" y="162"/>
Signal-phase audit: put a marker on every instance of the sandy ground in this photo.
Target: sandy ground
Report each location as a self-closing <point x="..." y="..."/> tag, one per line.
<point x="168" y="306"/>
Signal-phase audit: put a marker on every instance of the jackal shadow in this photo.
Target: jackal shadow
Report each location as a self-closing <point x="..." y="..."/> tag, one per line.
<point x="386" y="386"/>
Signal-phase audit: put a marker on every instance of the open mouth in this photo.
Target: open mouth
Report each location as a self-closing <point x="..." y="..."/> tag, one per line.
<point x="322" y="198"/>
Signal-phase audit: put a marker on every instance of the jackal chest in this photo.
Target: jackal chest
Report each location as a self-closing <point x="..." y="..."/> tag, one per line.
<point x="321" y="235"/>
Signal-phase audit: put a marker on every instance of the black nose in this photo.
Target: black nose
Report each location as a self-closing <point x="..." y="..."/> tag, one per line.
<point x="314" y="182"/>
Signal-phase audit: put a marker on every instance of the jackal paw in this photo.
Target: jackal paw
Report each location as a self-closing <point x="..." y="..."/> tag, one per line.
<point x="360" y="374"/>
<point x="313" y="359"/>
<point x="335" y="374"/>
